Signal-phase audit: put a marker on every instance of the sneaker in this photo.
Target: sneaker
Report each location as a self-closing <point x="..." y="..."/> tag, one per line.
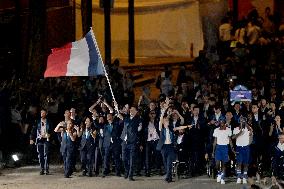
<point x="245" y="181"/>
<point x="222" y="181"/>
<point x="219" y="178"/>
<point x="239" y="181"/>
<point x="41" y="172"/>
<point x="47" y="172"/>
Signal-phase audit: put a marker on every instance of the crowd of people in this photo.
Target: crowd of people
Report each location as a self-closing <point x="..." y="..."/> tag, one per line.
<point x="192" y="121"/>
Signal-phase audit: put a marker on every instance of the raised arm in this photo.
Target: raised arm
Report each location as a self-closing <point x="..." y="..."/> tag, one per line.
<point x="79" y="131"/>
<point x="182" y="127"/>
<point x="94" y="105"/>
<point x="59" y="127"/>
<point x="161" y="121"/>
<point x="117" y="110"/>
<point x="235" y="136"/>
<point x="180" y="117"/>
<point x="108" y="106"/>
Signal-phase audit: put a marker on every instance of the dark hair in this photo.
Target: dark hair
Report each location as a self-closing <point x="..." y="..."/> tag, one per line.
<point x="195" y="107"/>
<point x="217" y="106"/>
<point x="152" y="111"/>
<point x="116" y="62"/>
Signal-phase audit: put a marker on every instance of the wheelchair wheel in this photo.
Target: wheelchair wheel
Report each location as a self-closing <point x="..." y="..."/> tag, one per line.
<point x="176" y="172"/>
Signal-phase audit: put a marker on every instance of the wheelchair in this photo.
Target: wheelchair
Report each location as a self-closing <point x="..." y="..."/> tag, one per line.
<point x="211" y="168"/>
<point x="279" y="168"/>
<point x="181" y="166"/>
<point x="179" y="169"/>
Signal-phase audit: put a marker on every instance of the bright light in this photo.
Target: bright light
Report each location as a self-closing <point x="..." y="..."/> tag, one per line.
<point x="231" y="80"/>
<point x="15" y="157"/>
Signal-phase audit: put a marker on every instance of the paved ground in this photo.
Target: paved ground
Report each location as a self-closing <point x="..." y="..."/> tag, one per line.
<point x="29" y="178"/>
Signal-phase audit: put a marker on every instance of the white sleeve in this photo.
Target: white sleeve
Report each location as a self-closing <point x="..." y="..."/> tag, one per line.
<point x="229" y="132"/>
<point x="140" y="127"/>
<point x="236" y="131"/>
<point x="215" y="133"/>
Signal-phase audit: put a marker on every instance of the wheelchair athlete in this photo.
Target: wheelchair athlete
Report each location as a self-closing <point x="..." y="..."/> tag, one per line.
<point x="278" y="159"/>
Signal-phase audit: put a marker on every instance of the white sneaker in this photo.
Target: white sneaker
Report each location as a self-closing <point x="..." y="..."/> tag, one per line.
<point x="245" y="181"/>
<point x="223" y="181"/>
<point x="219" y="178"/>
<point x="239" y="181"/>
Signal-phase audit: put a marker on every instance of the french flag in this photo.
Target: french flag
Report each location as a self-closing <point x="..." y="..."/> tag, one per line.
<point x="79" y="58"/>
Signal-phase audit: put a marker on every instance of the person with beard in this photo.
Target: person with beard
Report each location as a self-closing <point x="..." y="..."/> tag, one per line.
<point x="111" y="144"/>
<point x="130" y="140"/>
<point x="40" y="135"/>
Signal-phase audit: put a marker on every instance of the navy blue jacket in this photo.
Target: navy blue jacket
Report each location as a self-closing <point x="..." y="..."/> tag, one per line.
<point x="131" y="129"/>
<point x="112" y="132"/>
<point x="66" y="143"/>
<point x="35" y="133"/>
<point x="277" y="162"/>
<point x="145" y="129"/>
<point x="88" y="142"/>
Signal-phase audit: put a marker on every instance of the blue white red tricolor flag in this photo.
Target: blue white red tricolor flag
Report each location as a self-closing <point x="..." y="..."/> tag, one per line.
<point x="79" y="58"/>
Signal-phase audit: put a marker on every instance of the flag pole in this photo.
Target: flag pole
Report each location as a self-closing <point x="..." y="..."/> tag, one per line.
<point x="100" y="57"/>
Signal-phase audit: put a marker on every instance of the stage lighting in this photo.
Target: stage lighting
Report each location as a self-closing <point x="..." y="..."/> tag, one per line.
<point x="15" y="157"/>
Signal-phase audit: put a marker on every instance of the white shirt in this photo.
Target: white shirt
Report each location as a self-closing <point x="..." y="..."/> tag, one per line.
<point x="256" y="117"/>
<point x="168" y="137"/>
<point x="179" y="139"/>
<point x="222" y="136"/>
<point x="217" y="116"/>
<point x="174" y="123"/>
<point x="43" y="129"/>
<point x="280" y="146"/>
<point x="243" y="139"/>
<point x="152" y="133"/>
<point x="195" y="120"/>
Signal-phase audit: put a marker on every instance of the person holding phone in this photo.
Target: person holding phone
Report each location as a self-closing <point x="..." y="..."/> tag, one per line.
<point x="87" y="145"/>
<point x="243" y="135"/>
<point x="67" y="149"/>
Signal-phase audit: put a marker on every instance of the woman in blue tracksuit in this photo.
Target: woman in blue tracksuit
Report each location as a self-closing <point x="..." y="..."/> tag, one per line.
<point x="87" y="146"/>
<point x="67" y="149"/>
